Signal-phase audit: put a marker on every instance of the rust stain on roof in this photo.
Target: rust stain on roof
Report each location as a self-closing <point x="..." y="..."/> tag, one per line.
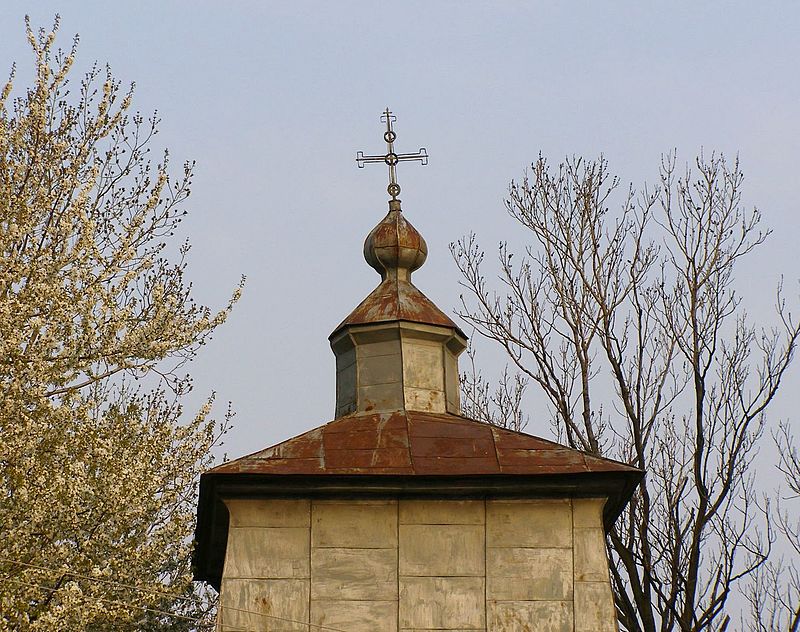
<point x="395" y="249"/>
<point x="415" y="443"/>
<point x="396" y="299"/>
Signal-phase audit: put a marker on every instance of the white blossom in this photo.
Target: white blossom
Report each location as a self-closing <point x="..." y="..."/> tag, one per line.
<point x="98" y="475"/>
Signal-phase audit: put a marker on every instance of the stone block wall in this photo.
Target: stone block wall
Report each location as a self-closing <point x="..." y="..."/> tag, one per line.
<point x="416" y="565"/>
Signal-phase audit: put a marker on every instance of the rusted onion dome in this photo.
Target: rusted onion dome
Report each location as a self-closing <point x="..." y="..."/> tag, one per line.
<point x="394" y="244"/>
<point x="395" y="249"/>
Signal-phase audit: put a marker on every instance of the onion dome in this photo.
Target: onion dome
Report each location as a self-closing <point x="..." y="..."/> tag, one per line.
<point x="395" y="247"/>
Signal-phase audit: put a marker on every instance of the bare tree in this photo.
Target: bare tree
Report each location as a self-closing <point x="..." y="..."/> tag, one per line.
<point x="629" y="322"/>
<point x="788" y="599"/>
<point x="773" y="592"/>
<point x="503" y="406"/>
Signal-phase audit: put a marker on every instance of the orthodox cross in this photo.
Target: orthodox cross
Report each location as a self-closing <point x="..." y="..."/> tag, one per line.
<point x="391" y="158"/>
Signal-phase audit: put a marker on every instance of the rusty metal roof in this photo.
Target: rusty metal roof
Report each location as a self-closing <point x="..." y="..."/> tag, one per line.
<point x="416" y="443"/>
<point x="394" y="248"/>
<point x="393" y="300"/>
<point x="404" y="455"/>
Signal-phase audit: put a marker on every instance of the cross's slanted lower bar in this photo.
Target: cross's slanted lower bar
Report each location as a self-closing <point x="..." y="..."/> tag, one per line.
<point x="390" y="157"/>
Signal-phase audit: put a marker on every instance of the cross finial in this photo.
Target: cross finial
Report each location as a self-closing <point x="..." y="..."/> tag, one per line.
<point x="391" y="158"/>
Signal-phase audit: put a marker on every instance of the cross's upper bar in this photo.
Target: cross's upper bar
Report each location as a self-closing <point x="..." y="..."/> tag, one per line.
<point x="390" y="157"/>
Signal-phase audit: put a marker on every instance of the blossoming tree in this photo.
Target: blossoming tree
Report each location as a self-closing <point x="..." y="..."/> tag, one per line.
<point x="96" y="472"/>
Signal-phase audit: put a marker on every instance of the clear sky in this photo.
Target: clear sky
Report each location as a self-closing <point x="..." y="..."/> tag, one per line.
<point x="273" y="99"/>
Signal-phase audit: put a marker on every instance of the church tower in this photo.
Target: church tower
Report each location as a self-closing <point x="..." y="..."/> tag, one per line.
<point x="401" y="515"/>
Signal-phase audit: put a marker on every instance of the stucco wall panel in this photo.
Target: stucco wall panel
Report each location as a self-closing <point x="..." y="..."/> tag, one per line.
<point x="521" y="574"/>
<point x="442" y="603"/>
<point x="247" y="512"/>
<point x="355" y="616"/>
<point x="591" y="560"/>
<point x="357" y="524"/>
<point x="267" y="552"/>
<point x="532" y="524"/>
<point x="594" y="607"/>
<point x="588" y="512"/>
<point x="438" y="512"/>
<point x="531" y="616"/>
<point x="277" y="605"/>
<point x="359" y="574"/>
<point x="442" y="550"/>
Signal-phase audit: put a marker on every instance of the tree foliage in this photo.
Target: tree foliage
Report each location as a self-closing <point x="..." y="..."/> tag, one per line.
<point x="97" y="474"/>
<point x="624" y="311"/>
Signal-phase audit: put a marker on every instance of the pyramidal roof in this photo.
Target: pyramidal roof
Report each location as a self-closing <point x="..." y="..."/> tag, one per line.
<point x="408" y="443"/>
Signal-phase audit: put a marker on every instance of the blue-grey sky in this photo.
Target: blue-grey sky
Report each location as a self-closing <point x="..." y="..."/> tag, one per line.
<point x="273" y="99"/>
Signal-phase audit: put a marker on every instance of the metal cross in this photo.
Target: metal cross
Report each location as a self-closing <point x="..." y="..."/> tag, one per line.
<point x="391" y="158"/>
